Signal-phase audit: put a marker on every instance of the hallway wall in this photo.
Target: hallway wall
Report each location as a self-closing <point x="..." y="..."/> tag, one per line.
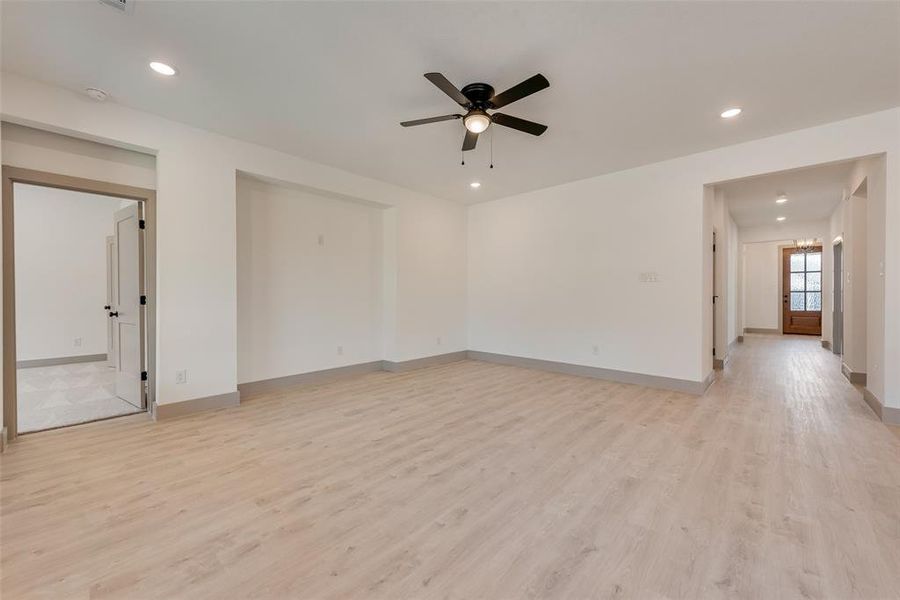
<point x="760" y="272"/>
<point x="859" y="221"/>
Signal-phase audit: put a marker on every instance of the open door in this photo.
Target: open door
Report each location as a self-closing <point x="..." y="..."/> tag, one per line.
<point x="125" y="311"/>
<point x="110" y="285"/>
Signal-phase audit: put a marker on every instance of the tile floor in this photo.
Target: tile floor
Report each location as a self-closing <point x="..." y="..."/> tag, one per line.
<point x="61" y="395"/>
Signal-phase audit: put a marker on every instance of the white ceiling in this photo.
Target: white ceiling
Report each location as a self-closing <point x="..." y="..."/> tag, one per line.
<point x="813" y="194"/>
<point x="631" y="83"/>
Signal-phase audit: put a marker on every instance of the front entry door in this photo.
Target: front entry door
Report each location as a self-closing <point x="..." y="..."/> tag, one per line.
<point x="802" y="291"/>
<point x="125" y="312"/>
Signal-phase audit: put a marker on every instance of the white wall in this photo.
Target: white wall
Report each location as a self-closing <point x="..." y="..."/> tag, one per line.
<point x="762" y="284"/>
<point x="196" y="236"/>
<point x="60" y="253"/>
<point x="309" y="280"/>
<point x="555" y="271"/>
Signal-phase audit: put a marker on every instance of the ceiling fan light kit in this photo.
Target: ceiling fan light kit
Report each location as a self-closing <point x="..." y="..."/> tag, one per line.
<point x="476" y="121"/>
<point x="478" y="99"/>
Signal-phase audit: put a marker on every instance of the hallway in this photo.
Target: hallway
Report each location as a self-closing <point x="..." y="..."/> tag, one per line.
<point x="473" y="480"/>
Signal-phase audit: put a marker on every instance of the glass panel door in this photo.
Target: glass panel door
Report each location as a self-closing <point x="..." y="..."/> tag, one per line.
<point x="802" y="291"/>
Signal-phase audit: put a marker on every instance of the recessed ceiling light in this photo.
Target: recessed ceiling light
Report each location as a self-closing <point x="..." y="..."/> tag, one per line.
<point x="475" y="184"/>
<point x="162" y="68"/>
<point x="781" y="199"/>
<point x="781" y="218"/>
<point x="731" y="113"/>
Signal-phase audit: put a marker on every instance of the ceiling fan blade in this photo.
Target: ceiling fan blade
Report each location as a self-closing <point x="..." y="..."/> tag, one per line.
<point x="469" y="141"/>
<point x="430" y="120"/>
<point x="517" y="123"/>
<point x="448" y="88"/>
<point x="519" y="91"/>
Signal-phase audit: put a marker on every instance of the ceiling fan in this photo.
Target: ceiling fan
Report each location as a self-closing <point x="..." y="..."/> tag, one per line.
<point x="478" y="99"/>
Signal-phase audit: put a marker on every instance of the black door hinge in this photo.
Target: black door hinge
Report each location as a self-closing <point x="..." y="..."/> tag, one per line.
<point x="143" y="299"/>
<point x="714" y="351"/>
<point x="143" y="375"/>
<point x="714" y="247"/>
<point x="142" y="224"/>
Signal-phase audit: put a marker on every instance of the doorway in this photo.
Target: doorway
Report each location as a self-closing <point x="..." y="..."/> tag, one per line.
<point x="802" y="290"/>
<point x="837" y="315"/>
<point x="77" y="306"/>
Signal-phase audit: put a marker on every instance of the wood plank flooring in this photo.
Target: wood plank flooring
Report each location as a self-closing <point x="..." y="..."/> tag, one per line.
<point x="473" y="480"/>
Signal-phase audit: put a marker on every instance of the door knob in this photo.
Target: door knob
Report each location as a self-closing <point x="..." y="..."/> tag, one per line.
<point x="114" y="314"/>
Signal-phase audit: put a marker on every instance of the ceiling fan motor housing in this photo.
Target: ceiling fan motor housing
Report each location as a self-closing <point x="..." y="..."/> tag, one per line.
<point x="479" y="94"/>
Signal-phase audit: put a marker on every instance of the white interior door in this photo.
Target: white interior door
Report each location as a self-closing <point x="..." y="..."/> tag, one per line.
<point x="110" y="286"/>
<point x="126" y="306"/>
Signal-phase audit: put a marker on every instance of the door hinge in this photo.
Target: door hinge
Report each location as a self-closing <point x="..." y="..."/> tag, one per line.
<point x="143" y="375"/>
<point x="143" y="299"/>
<point x="714" y="351"/>
<point x="142" y="224"/>
<point x="714" y="247"/>
<point x="714" y="299"/>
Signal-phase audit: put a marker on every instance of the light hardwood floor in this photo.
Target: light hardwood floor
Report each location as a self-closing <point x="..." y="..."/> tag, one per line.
<point x="473" y="480"/>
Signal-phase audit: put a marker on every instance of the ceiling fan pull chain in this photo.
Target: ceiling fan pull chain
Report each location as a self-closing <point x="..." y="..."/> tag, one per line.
<point x="492" y="148"/>
<point x="463" y="155"/>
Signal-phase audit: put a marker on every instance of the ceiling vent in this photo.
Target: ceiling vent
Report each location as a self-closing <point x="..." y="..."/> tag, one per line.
<point x="126" y="6"/>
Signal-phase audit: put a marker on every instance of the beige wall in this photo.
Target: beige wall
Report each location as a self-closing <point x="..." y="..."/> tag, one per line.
<point x="46" y="151"/>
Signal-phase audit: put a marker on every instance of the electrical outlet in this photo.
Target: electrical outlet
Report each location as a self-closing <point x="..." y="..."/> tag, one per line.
<point x="181" y="376"/>
<point x="78" y="342"/>
<point x="340" y="350"/>
<point x="596" y="350"/>
<point x="439" y="340"/>
<point x="321" y="239"/>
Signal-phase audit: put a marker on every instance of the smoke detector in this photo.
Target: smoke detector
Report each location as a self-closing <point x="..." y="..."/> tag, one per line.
<point x="96" y="93"/>
<point x="125" y="6"/>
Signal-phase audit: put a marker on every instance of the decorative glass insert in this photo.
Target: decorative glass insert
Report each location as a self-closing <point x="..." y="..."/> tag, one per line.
<point x="813" y="261"/>
<point x="813" y="282"/>
<point x="814" y="301"/>
<point x="806" y="281"/>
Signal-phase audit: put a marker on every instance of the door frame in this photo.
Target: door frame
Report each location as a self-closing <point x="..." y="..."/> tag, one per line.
<point x="837" y="296"/>
<point x="784" y="275"/>
<point x="12" y="175"/>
